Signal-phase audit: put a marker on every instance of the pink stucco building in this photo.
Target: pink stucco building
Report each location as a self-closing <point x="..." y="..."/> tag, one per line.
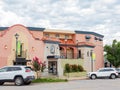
<point x="20" y="44"/>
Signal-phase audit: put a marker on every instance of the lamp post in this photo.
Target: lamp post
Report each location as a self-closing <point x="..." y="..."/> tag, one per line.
<point x="91" y="52"/>
<point x="66" y="47"/>
<point x="16" y="36"/>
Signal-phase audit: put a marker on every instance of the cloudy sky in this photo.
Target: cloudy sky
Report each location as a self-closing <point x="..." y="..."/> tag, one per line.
<point x="100" y="16"/>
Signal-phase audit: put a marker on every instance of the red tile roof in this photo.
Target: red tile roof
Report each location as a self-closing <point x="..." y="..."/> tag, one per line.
<point x="62" y="41"/>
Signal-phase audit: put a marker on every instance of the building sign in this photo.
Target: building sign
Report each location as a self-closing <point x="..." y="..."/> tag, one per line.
<point x="93" y="56"/>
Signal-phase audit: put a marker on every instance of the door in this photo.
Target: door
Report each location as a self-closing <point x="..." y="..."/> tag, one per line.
<point x="52" y="65"/>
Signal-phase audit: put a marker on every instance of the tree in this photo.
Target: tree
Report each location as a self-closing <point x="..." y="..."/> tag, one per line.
<point x="38" y="65"/>
<point x="113" y="53"/>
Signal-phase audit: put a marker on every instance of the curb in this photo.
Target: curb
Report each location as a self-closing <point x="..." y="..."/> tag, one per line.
<point x="77" y="78"/>
<point x="73" y="78"/>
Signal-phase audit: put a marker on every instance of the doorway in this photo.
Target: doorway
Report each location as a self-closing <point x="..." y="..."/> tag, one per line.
<point x="79" y="54"/>
<point x="52" y="67"/>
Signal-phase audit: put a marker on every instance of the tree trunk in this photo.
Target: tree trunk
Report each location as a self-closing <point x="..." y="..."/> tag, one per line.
<point x="37" y="74"/>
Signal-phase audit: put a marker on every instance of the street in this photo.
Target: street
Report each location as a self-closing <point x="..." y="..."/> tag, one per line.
<point x="98" y="84"/>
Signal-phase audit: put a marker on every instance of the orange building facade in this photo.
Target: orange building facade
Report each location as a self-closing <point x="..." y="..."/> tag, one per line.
<point x="51" y="46"/>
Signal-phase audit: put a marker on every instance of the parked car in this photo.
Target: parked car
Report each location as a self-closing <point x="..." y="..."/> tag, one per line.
<point x="104" y="72"/>
<point x="18" y="74"/>
<point x="118" y="69"/>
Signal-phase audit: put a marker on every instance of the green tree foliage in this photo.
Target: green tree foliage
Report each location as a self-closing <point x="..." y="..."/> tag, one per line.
<point x="113" y="53"/>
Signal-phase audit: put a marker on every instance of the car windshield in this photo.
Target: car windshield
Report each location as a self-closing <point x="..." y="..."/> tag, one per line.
<point x="3" y="69"/>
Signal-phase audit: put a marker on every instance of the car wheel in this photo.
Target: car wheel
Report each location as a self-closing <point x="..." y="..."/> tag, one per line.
<point x="27" y="83"/>
<point x="1" y="83"/>
<point x="18" y="81"/>
<point x="113" y="76"/>
<point x="93" y="76"/>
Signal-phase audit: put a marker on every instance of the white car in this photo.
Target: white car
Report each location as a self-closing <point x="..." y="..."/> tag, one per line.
<point x="18" y="74"/>
<point x="103" y="72"/>
<point x="118" y="69"/>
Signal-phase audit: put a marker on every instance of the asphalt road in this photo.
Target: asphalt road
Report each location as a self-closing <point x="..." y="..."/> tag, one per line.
<point x="98" y="84"/>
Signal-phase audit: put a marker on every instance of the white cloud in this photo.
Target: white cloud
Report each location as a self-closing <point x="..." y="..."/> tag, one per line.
<point x="101" y="16"/>
<point x="43" y="23"/>
<point x="108" y="1"/>
<point x="87" y="11"/>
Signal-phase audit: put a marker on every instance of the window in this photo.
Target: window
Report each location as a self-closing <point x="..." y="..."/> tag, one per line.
<point x="87" y="37"/>
<point x="66" y="36"/>
<point x="47" y="35"/>
<point x="88" y="53"/>
<point x="109" y="70"/>
<point x="3" y="69"/>
<point x="102" y="70"/>
<point x="100" y="39"/>
<point x="96" y="38"/>
<point x="57" y="35"/>
<point x="17" y="68"/>
<point x="13" y="69"/>
<point x="106" y="70"/>
<point x="29" y="68"/>
<point x="79" y="54"/>
<point x="10" y="69"/>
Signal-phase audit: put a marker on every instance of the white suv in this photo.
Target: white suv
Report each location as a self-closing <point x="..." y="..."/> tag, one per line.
<point x="103" y="72"/>
<point x="18" y="74"/>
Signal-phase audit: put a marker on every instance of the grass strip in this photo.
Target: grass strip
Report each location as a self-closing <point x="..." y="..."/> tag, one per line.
<point x="48" y="80"/>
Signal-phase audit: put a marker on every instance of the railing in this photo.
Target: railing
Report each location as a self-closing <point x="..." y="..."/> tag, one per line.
<point x="22" y="54"/>
<point x="70" y="56"/>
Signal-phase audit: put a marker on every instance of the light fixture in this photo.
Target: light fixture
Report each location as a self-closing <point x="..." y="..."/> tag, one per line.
<point x="33" y="49"/>
<point x="16" y="36"/>
<point x="5" y="47"/>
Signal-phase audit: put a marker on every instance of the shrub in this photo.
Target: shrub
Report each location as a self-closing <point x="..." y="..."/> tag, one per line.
<point x="74" y="68"/>
<point x="67" y="68"/>
<point x="80" y="68"/>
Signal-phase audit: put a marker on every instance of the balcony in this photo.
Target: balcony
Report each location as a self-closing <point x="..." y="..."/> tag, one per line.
<point x="21" y="54"/>
<point x="71" y="56"/>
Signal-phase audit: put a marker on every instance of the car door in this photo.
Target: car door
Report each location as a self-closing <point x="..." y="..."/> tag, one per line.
<point x="11" y="73"/>
<point x="104" y="72"/>
<point x="101" y="73"/>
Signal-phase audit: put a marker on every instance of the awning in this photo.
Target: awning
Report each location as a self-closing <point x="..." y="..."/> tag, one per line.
<point x="53" y="56"/>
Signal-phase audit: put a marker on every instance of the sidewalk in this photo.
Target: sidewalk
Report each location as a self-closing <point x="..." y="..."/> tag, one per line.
<point x="69" y="78"/>
<point x="75" y="78"/>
